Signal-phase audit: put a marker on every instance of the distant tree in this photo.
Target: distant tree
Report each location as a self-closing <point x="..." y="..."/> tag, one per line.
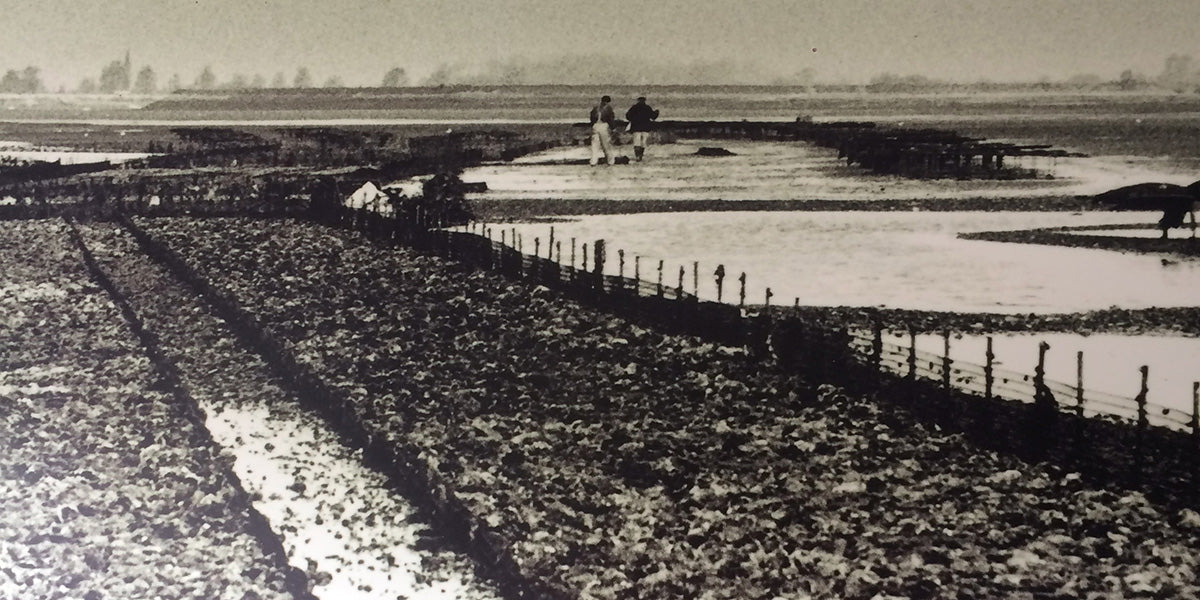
<point x="174" y="83"/>
<point x="115" y="77"/>
<point x="238" y="82"/>
<point x="443" y="75"/>
<point x="146" y="81"/>
<point x="303" y="78"/>
<point x="26" y="81"/>
<point x="87" y="86"/>
<point x="206" y="80"/>
<point x="395" y="78"/>
<point x="1084" y="80"/>
<point x="31" y="77"/>
<point x="1130" y="80"/>
<point x="890" y="82"/>
<point x="258" y="82"/>
<point x="278" y="81"/>
<point x="11" y="82"/>
<point x="1179" y="72"/>
<point x="334" y="82"/>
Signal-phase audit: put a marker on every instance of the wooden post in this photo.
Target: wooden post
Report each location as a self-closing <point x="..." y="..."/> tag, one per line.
<point x="621" y="268"/>
<point x="742" y="289"/>
<point x="1079" y="383"/>
<point x="660" y="278"/>
<point x="989" y="377"/>
<point x="557" y="261"/>
<point x="637" y="275"/>
<point x="1143" y="423"/>
<point x="1142" y="398"/>
<point x="583" y="266"/>
<point x="696" y="279"/>
<point x="912" y="353"/>
<point x="1196" y="411"/>
<point x="599" y="257"/>
<point x="719" y="276"/>
<point x="946" y="362"/>
<point x="679" y="288"/>
<point x="876" y="342"/>
<point x="1196" y="439"/>
<point x="534" y="261"/>
<point x="1039" y="372"/>
<point x="768" y="295"/>
<point x="550" y="245"/>
<point x="572" y="260"/>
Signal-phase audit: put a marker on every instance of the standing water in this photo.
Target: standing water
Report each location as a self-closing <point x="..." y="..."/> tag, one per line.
<point x="910" y="260"/>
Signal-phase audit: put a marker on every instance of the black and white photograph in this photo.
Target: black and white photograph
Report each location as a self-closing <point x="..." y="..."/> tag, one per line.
<point x="599" y="300"/>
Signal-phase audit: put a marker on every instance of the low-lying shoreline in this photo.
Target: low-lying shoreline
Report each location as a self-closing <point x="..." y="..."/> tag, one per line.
<point x="1182" y="243"/>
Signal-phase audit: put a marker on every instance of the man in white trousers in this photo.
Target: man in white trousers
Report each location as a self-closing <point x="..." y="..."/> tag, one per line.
<point x="602" y="118"/>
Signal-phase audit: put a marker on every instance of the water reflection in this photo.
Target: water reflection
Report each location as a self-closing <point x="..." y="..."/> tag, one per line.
<point x="901" y="260"/>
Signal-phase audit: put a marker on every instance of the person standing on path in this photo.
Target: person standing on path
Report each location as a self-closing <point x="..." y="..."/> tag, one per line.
<point x="641" y="121"/>
<point x="602" y="118"/>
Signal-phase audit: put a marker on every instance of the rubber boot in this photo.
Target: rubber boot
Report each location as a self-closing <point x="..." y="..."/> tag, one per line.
<point x="638" y="151"/>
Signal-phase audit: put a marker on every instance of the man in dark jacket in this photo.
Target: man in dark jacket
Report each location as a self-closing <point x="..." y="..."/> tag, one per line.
<point x="641" y="120"/>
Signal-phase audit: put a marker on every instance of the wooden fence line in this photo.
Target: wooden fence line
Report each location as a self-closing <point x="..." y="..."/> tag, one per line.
<point x="1069" y="398"/>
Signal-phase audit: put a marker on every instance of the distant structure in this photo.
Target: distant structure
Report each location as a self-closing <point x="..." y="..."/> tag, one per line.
<point x="117" y="76"/>
<point x="914" y="153"/>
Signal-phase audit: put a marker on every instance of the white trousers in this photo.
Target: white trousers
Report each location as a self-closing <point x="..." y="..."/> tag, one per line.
<point x="602" y="142"/>
<point x="641" y="139"/>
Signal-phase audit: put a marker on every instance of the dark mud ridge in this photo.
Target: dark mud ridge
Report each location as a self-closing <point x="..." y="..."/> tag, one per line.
<point x="1183" y="243"/>
<point x="1182" y="320"/>
<point x="492" y="209"/>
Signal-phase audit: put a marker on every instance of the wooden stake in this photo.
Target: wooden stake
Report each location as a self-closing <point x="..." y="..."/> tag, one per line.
<point x="946" y="362"/>
<point x="1079" y="383"/>
<point x="1143" y="397"/>
<point x="912" y="354"/>
<point x="1196" y="410"/>
<point x="989" y="377"/>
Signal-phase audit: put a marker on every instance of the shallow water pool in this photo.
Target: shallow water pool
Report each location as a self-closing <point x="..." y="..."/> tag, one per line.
<point x="900" y="259"/>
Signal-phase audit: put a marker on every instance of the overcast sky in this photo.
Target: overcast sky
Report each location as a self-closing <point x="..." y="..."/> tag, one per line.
<point x="840" y="40"/>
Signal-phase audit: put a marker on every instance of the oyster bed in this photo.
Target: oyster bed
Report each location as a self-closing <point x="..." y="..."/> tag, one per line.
<point x="593" y="458"/>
